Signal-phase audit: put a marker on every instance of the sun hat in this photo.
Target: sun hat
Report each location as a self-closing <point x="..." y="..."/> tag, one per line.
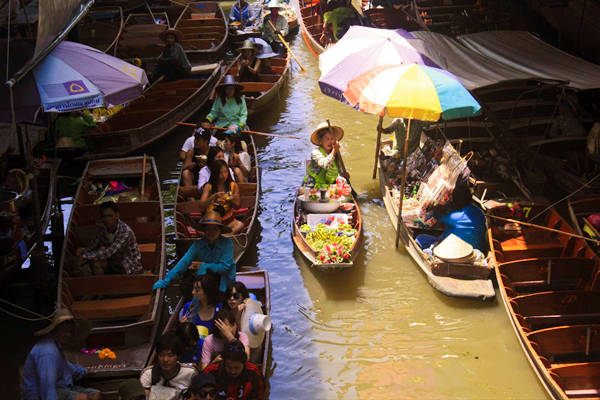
<point x="177" y="33"/>
<point x="274" y="4"/>
<point x="315" y="136"/>
<point x="255" y="323"/>
<point x="453" y="248"/>
<point x="131" y="389"/>
<point x="229" y="80"/>
<point x="63" y="315"/>
<point x="214" y="218"/>
<point x="266" y="51"/>
<point x="247" y="45"/>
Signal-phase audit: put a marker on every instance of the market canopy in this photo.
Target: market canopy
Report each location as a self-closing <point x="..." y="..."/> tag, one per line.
<point x="527" y="53"/>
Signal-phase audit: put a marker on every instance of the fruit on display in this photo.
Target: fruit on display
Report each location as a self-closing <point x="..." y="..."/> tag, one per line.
<point x="101" y="114"/>
<point x="332" y="244"/>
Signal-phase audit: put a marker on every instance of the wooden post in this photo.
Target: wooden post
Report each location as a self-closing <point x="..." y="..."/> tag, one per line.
<point x="143" y="177"/>
<point x="403" y="182"/>
<point x="377" y="146"/>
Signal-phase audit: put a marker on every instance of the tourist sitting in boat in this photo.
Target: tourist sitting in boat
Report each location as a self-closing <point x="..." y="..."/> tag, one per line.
<point x="247" y="16"/>
<point x="193" y="160"/>
<point x="222" y="194"/>
<point x="229" y="108"/>
<point x="188" y="336"/>
<point x="203" y="387"/>
<point x="167" y="379"/>
<point x="172" y="63"/>
<point x="238" y="159"/>
<point x="236" y="297"/>
<point x="214" y="253"/>
<point x="214" y="154"/>
<point x="114" y="249"/>
<point x="46" y="373"/>
<point x="192" y="142"/>
<point x="225" y="330"/>
<point x="201" y="310"/>
<point x="465" y="221"/>
<point x="131" y="389"/>
<point x="323" y="169"/>
<point x="70" y="128"/>
<point x="336" y="23"/>
<point x="270" y="35"/>
<point x="236" y="377"/>
<point x="249" y="65"/>
<point x="398" y="128"/>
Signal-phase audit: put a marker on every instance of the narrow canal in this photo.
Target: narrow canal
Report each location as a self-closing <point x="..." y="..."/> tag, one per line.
<point x="378" y="331"/>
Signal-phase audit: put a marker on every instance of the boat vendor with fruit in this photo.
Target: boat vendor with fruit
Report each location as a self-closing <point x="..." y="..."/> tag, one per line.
<point x="324" y="169"/>
<point x="213" y="252"/>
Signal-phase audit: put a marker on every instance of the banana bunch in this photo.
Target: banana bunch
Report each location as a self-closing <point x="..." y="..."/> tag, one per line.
<point x="101" y="114"/>
<point x="322" y="236"/>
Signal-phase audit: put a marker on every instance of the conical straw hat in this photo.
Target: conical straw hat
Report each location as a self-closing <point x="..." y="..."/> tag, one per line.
<point x="453" y="248"/>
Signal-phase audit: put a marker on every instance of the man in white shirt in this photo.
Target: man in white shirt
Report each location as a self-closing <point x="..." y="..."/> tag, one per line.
<point x="189" y="144"/>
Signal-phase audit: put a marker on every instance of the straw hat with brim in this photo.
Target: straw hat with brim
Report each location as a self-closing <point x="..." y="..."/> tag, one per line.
<point x="247" y="45"/>
<point x="453" y="249"/>
<point x="81" y="328"/>
<point x="214" y="218"/>
<point x="255" y="323"/>
<point x="229" y="80"/>
<point x="274" y="4"/>
<point x="178" y="35"/>
<point x="323" y="128"/>
<point x="131" y="389"/>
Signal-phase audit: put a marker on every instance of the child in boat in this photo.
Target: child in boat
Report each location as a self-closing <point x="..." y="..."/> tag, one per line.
<point x="114" y="250"/>
<point x="172" y="62"/>
<point x="201" y="311"/>
<point x="192" y="162"/>
<point x="235" y="376"/>
<point x="168" y="378"/>
<point x="323" y="169"/>
<point x="229" y="108"/>
<point x="225" y="330"/>
<point x="238" y="159"/>
<point x="214" y="253"/>
<point x="222" y="194"/>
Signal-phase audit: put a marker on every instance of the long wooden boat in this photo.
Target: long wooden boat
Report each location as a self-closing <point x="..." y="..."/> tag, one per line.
<point x="205" y="31"/>
<point x="456" y="280"/>
<point x="261" y="94"/>
<point x="11" y="255"/>
<point x="139" y="38"/>
<point x="153" y="116"/>
<point x="123" y="311"/>
<point x="101" y="28"/>
<point x="257" y="282"/>
<point x="237" y="37"/>
<point x="188" y="211"/>
<point x="312" y="255"/>
<point x="549" y="285"/>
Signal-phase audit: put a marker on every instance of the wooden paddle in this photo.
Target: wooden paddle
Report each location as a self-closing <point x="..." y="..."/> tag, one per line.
<point x="338" y="157"/>
<point x="286" y="45"/>
<point x="143" y="177"/>
<point x="248" y="132"/>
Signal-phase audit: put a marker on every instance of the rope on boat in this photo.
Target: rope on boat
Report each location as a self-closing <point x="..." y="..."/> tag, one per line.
<point x="40" y="317"/>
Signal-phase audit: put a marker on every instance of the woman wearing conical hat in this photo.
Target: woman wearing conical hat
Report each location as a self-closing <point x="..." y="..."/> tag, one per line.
<point x="229" y="107"/>
<point x="323" y="169"/>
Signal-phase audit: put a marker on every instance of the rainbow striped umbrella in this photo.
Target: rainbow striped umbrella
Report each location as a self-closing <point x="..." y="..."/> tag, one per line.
<point x="411" y="91"/>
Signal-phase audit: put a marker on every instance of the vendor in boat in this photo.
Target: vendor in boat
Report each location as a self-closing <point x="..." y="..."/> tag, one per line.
<point x="172" y="62"/>
<point x="398" y="128"/>
<point x="464" y="220"/>
<point x="229" y="108"/>
<point x="336" y="23"/>
<point x="249" y="65"/>
<point x="114" y="249"/>
<point x="70" y="128"/>
<point x="270" y="35"/>
<point x="214" y="253"/>
<point x="323" y="169"/>
<point x="236" y="377"/>
<point x="46" y="373"/>
<point x="169" y="378"/>
<point x="194" y="160"/>
<point x="222" y="194"/>
<point x="246" y="16"/>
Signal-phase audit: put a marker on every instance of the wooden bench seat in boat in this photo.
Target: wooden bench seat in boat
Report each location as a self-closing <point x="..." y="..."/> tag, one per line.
<point x="111" y="309"/>
<point x="256" y="86"/>
<point x="572" y="342"/>
<point x="545" y="274"/>
<point x="531" y="243"/>
<point x="580" y="380"/>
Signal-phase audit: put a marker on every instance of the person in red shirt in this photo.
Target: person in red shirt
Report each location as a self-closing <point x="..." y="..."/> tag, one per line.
<point x="237" y="379"/>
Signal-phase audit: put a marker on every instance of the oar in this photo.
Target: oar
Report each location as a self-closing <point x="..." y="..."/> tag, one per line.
<point x="338" y="156"/>
<point x="544" y="228"/>
<point x="286" y="45"/>
<point x="248" y="132"/>
<point x="143" y="176"/>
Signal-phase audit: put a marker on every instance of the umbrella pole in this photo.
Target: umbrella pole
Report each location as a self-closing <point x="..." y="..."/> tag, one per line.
<point x="402" y="186"/>
<point x="35" y="195"/>
<point x="377" y="147"/>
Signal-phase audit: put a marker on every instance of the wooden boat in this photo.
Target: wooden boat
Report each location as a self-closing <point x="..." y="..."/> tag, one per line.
<point x="11" y="256"/>
<point x="152" y="116"/>
<point x="456" y="280"/>
<point x="257" y="282"/>
<point x="101" y="28"/>
<point x="205" y="31"/>
<point x="310" y="254"/>
<point x="549" y="285"/>
<point x="123" y="311"/>
<point x="237" y="37"/>
<point x="188" y="211"/>
<point x="139" y="38"/>
<point x="260" y="95"/>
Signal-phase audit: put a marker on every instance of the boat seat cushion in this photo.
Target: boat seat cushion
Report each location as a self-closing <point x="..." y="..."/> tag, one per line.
<point x="121" y="308"/>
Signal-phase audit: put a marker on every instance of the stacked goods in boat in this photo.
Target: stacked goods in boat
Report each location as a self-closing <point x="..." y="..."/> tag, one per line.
<point x="549" y="281"/>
